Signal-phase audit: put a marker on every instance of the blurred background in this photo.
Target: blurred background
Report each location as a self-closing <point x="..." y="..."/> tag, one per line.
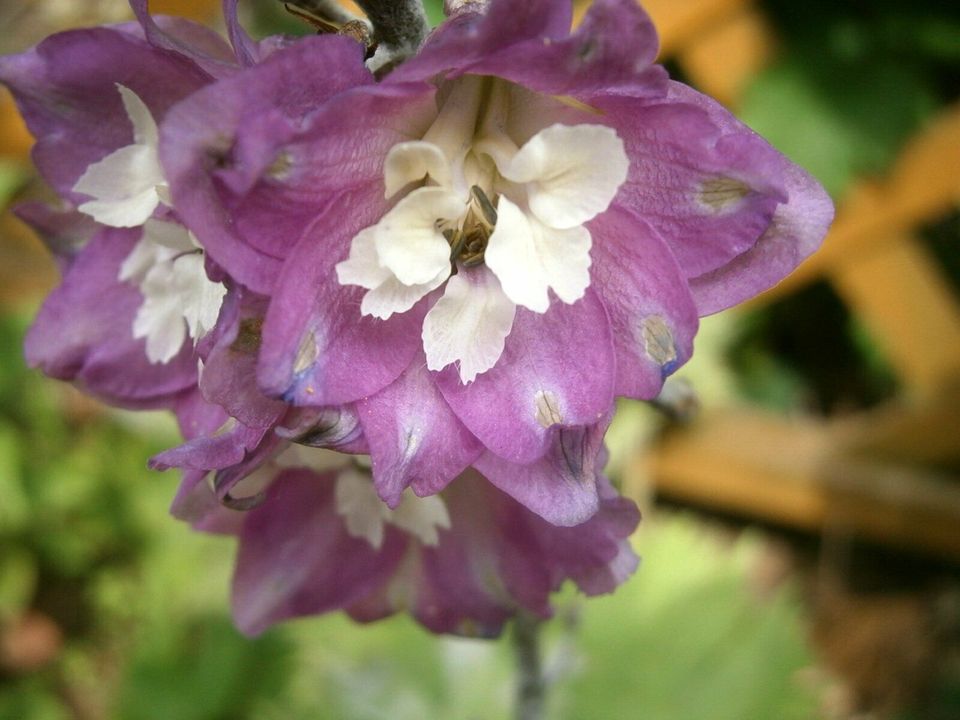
<point x="801" y="539"/>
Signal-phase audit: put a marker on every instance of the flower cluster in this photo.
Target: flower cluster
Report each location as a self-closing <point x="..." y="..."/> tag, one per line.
<point x="392" y="312"/>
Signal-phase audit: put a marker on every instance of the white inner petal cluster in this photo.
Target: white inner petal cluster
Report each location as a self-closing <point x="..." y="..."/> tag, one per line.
<point x="364" y="513"/>
<point x="178" y="297"/>
<point x="500" y="225"/>
<point x="167" y="264"/>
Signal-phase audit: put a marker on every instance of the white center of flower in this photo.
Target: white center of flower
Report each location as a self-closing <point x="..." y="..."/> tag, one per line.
<point x="178" y="297"/>
<point x="167" y="264"/>
<point x="128" y="184"/>
<point x="499" y="224"/>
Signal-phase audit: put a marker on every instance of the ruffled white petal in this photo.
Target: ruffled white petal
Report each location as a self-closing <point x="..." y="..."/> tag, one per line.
<point x="413" y="161"/>
<point x="571" y="173"/>
<point x="160" y="317"/>
<point x="201" y="297"/>
<point x="144" y="127"/>
<point x="126" y="185"/>
<point x="363" y="267"/>
<point x="468" y="325"/>
<point x="407" y="239"/>
<point x="392" y="296"/>
<point x="528" y="258"/>
<point x="179" y="298"/>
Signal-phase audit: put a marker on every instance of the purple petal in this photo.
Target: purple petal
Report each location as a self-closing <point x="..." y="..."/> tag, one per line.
<point x="253" y="160"/>
<point x="652" y="315"/>
<point x="66" y="91"/>
<point x="213" y="452"/>
<point x="467" y="37"/>
<point x="229" y="372"/>
<point x="84" y="332"/>
<point x="337" y="428"/>
<point x="796" y="230"/>
<point x="296" y="558"/>
<point x="415" y="439"/>
<point x="612" y="50"/>
<point x="196" y="42"/>
<point x="556" y="369"/>
<point x="243" y="45"/>
<point x="317" y="348"/>
<point x="64" y="231"/>
<point x="708" y="192"/>
<point x="561" y="486"/>
<point x="196" y="417"/>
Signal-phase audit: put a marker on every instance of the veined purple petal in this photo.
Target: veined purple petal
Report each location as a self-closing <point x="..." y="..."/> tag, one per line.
<point x="296" y="557"/>
<point x="253" y="160"/>
<point x="66" y="90"/>
<point x="468" y="37"/>
<point x="708" y="192"/>
<point x="84" y="331"/>
<point x="189" y="39"/>
<point x="415" y="439"/>
<point x="229" y="376"/>
<point x="652" y="316"/>
<point x="557" y="369"/>
<point x="561" y="486"/>
<point x="611" y="51"/>
<point x="243" y="45"/>
<point x="796" y="230"/>
<point x="317" y="349"/>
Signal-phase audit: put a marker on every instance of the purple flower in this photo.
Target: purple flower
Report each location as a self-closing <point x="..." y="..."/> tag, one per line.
<point x="462" y="561"/>
<point x="137" y="287"/>
<point x="487" y="246"/>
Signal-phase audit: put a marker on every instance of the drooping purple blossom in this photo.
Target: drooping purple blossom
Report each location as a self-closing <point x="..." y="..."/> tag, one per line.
<point x="452" y="269"/>
<point x="489" y="244"/>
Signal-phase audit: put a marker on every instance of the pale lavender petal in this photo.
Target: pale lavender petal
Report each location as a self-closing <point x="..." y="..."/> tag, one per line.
<point x="415" y="439"/>
<point x="652" y="315"/>
<point x="556" y="369"/>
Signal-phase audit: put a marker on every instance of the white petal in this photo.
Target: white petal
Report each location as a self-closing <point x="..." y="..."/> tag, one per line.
<point x="468" y="325"/>
<point x="409" y="162"/>
<point x="392" y="296"/>
<point x="572" y="173"/>
<point x="363" y="512"/>
<point x="160" y="317"/>
<point x="421" y="516"/>
<point x="170" y="235"/>
<point x="145" y="255"/>
<point x="528" y="258"/>
<point x="363" y="268"/>
<point x="407" y="239"/>
<point x="199" y="297"/>
<point x="144" y="127"/>
<point x="123" y="185"/>
<point x="512" y="256"/>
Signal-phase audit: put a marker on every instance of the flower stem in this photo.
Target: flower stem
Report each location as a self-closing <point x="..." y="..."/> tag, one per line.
<point x="531" y="687"/>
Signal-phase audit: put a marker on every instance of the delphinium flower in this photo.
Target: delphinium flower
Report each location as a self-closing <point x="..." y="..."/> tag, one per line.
<point x="392" y="296"/>
<point x="485" y="245"/>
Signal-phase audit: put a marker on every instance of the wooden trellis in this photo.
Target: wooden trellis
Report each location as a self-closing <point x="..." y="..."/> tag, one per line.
<point x="870" y="475"/>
